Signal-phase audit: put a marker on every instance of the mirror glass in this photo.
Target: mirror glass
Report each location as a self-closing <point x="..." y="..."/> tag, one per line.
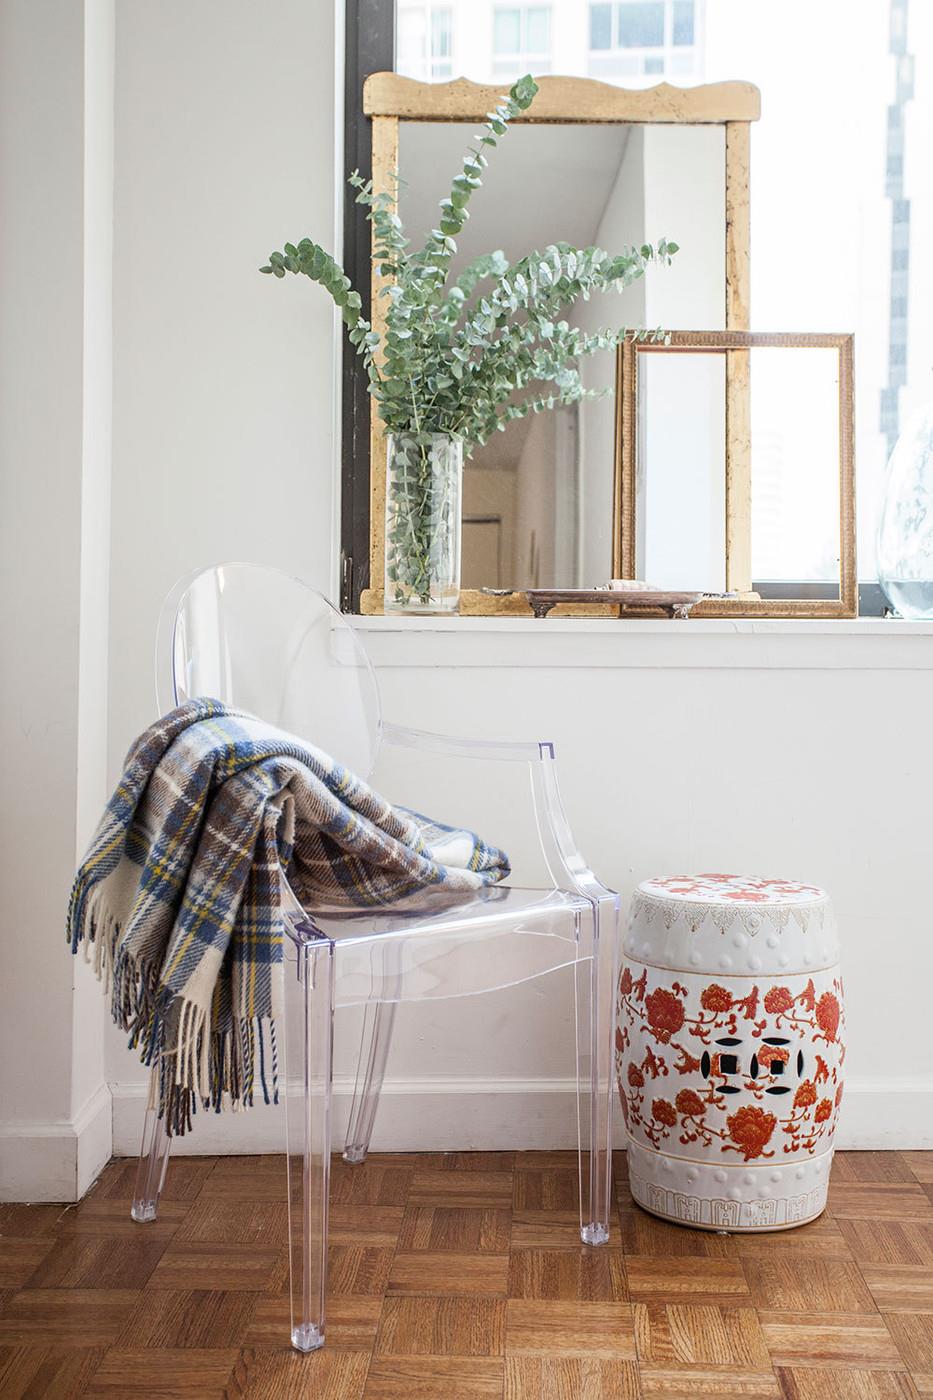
<point x="538" y="498"/>
<point x="680" y="469"/>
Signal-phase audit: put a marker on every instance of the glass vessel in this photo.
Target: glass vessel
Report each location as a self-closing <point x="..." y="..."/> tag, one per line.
<point x="905" y="534"/>
<point x="423" y="490"/>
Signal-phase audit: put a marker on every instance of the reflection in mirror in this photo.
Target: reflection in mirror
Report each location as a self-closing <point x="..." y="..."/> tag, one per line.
<point x="795" y="466"/>
<point x="680" y="484"/>
<point x="681" y="468"/>
<point x="538" y="498"/>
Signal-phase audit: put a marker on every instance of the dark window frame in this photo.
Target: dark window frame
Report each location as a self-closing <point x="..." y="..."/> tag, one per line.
<point x="370" y="48"/>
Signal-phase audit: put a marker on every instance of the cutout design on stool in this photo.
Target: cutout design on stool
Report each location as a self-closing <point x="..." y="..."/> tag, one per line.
<point x="751" y="1065"/>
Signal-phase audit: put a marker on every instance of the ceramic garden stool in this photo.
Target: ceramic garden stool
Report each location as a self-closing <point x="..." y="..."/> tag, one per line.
<point x="729" y="1050"/>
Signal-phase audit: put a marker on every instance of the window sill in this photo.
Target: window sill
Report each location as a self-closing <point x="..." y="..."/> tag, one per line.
<point x="832" y="644"/>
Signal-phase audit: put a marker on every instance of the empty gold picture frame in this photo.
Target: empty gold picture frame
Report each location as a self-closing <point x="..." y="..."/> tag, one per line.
<point x="389" y="98"/>
<point x="735" y="345"/>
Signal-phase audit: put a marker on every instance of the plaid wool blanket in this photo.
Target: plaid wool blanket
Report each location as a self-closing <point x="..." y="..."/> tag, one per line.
<point x="181" y="892"/>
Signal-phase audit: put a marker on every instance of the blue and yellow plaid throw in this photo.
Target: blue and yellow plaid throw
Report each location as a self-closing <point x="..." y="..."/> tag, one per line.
<point x="181" y="891"/>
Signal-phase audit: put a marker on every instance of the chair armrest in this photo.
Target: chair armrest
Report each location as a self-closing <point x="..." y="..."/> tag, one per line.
<point x="520" y="751"/>
<point x="563" y="858"/>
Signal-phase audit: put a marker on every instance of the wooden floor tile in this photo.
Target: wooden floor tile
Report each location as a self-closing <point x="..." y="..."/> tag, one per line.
<point x="554" y="1229"/>
<point x="871" y="1166"/>
<point x="371" y="1184"/>
<point x="536" y="1327"/>
<point x="822" y="1239"/>
<point x="562" y="1160"/>
<point x="799" y="1285"/>
<point x="900" y="1287"/>
<point x="471" y="1189"/>
<point x="352" y="1322"/>
<point x="447" y="1273"/>
<point x="184" y="1178"/>
<point x="24" y="1221"/>
<point x="100" y="1215"/>
<point x="644" y="1234"/>
<point x="579" y="1275"/>
<point x="373" y="1225"/>
<point x="211" y="1221"/>
<point x="441" y="1327"/>
<point x="818" y="1383"/>
<point x="718" y="1281"/>
<point x="79" y="1261"/>
<point x="569" y="1378"/>
<point x="474" y="1161"/>
<point x="455" y="1229"/>
<point x="913" y="1336"/>
<point x="462" y="1274"/>
<point x="432" y="1377"/>
<point x="247" y="1179"/>
<point x="46" y="1373"/>
<point x="358" y="1269"/>
<point x="542" y="1189"/>
<point x="155" y="1375"/>
<point x="708" y="1383"/>
<point x="217" y="1266"/>
<point x="919" y="1164"/>
<point x="829" y="1339"/>
<point x="181" y="1318"/>
<point x="882" y="1200"/>
<point x="19" y="1258"/>
<point x="889" y="1241"/>
<point x="673" y="1335"/>
<point x="281" y="1374"/>
<point x="73" y="1317"/>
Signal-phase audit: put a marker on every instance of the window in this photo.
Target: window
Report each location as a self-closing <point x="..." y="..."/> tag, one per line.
<point x="841" y="195"/>
<point x="425" y="41"/>
<point x="631" y="38"/>
<point x="521" y="40"/>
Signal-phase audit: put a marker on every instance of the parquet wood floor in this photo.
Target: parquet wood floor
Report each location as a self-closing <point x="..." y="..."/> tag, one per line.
<point x="459" y="1275"/>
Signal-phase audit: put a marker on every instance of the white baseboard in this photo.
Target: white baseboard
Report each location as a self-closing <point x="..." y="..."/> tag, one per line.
<point x="484" y="1115"/>
<point x="56" y="1161"/>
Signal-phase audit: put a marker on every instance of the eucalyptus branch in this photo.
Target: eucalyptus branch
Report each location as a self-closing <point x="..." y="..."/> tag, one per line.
<point x="454" y="357"/>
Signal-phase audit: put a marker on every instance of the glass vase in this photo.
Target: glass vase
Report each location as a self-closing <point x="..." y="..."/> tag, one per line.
<point x="905" y="532"/>
<point x="423" y="491"/>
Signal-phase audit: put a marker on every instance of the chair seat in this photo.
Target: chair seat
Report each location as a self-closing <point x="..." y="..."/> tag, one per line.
<point x="433" y="945"/>
<point x="434" y="911"/>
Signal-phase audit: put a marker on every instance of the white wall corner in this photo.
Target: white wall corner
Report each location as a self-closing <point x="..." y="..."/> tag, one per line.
<point x="56" y="1161"/>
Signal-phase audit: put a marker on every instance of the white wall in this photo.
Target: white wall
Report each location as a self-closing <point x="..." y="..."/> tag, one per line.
<point x="766" y="748"/>
<point x="223" y="378"/>
<point x="798" y="751"/>
<point x="55" y="173"/>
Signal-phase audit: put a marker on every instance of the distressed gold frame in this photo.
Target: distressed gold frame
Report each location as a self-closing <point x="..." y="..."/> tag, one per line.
<point x="389" y="98"/>
<point x="735" y="345"/>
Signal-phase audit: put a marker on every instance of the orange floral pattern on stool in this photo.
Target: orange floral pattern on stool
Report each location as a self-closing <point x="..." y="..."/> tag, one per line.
<point x="763" y="1069"/>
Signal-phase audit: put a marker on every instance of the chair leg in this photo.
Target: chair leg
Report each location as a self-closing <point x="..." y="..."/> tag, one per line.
<point x="153" y="1157"/>
<point x="307" y="1107"/>
<point x="595" y="988"/>
<point x="378" y="1020"/>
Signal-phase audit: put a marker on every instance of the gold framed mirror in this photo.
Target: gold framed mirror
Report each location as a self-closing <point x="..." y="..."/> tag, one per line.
<point x="784" y="522"/>
<point x="578" y="133"/>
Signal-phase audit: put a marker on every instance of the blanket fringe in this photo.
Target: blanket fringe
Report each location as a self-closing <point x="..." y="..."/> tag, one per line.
<point x="197" y="1061"/>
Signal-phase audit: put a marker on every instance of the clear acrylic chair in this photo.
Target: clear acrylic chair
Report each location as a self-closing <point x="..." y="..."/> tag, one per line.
<point x="267" y="643"/>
